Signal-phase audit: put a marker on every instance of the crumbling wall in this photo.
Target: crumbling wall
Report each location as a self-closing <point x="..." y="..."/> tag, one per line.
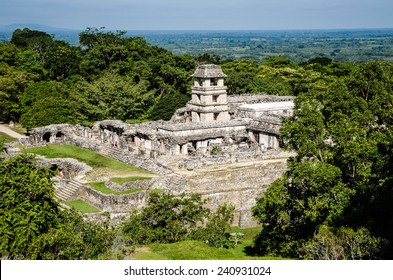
<point x="114" y="203"/>
<point x="237" y="186"/>
<point x="66" y="168"/>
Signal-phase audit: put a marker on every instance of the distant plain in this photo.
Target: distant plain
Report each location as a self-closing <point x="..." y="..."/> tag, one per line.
<point x="354" y="45"/>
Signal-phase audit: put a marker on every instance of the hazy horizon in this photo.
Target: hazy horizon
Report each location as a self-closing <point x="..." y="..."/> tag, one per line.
<point x="220" y="15"/>
<point x="34" y="25"/>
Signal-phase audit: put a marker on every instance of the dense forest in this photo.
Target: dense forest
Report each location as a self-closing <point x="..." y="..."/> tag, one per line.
<point x="111" y="76"/>
<point x="334" y="202"/>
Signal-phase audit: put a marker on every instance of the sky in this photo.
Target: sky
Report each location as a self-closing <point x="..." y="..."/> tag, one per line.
<point x="199" y="14"/>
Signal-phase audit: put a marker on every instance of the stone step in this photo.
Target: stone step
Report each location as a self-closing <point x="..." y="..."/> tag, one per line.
<point x="74" y="183"/>
<point x="62" y="197"/>
<point x="68" y="190"/>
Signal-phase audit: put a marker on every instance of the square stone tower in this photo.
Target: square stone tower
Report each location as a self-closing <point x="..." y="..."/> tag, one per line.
<point x="209" y="95"/>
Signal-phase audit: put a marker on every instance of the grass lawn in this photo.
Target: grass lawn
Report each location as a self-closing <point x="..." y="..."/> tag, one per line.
<point x="196" y="250"/>
<point x="82" y="206"/>
<point x="101" y="164"/>
<point x="100" y="186"/>
<point x="190" y="250"/>
<point x="6" y="138"/>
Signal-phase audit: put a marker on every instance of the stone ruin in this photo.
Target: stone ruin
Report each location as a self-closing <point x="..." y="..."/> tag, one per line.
<point x="225" y="147"/>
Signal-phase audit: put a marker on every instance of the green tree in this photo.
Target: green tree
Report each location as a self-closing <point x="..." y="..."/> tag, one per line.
<point x="167" y="105"/>
<point x="29" y="61"/>
<point x="27" y="206"/>
<point x="72" y="238"/>
<point x="216" y="231"/>
<point x="12" y="84"/>
<point x="341" y="171"/>
<point x="51" y="110"/>
<point x="279" y="62"/>
<point x="343" y="243"/>
<point x="166" y="219"/>
<point x="49" y="102"/>
<point x="62" y="61"/>
<point x="118" y="97"/>
<point x="32" y="225"/>
<point x="8" y="52"/>
<point x="35" y="40"/>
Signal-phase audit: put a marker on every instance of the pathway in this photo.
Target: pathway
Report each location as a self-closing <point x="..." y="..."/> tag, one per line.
<point x="10" y="132"/>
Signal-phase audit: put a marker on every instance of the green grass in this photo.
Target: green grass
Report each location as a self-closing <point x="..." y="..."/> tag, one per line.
<point x="100" y="186"/>
<point x="94" y="160"/>
<point x="122" y="180"/>
<point x="18" y="129"/>
<point x="196" y="250"/>
<point x="6" y="138"/>
<point x="185" y="250"/>
<point x="82" y="206"/>
<point x="249" y="233"/>
<point x="190" y="250"/>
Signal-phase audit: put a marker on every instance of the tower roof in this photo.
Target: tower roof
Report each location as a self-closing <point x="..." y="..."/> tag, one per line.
<point x="209" y="71"/>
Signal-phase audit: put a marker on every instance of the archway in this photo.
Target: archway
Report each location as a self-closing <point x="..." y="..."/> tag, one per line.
<point x="60" y="136"/>
<point x="46" y="137"/>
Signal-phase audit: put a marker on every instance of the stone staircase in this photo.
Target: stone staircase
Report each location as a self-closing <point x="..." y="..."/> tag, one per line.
<point x="68" y="189"/>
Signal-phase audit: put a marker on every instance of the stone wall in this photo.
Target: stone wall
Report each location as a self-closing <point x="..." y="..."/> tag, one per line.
<point x="139" y="184"/>
<point x="239" y="186"/>
<point x="67" y="168"/>
<point x="114" y="203"/>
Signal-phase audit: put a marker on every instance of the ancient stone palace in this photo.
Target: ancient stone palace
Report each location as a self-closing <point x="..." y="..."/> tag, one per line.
<point x="224" y="147"/>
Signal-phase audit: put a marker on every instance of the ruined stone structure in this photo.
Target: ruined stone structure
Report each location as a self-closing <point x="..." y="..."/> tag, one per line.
<point x="224" y="147"/>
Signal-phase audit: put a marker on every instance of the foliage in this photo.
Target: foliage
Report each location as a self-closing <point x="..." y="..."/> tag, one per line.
<point x="166" y="106"/>
<point x="2" y="145"/>
<point x="12" y="84"/>
<point x="31" y="223"/>
<point x="31" y="38"/>
<point x="216" y="231"/>
<point x="72" y="239"/>
<point x="8" y="52"/>
<point x="276" y="75"/>
<point x="109" y="76"/>
<point x="341" y="174"/>
<point x="342" y="243"/>
<point x="117" y="97"/>
<point x="27" y="207"/>
<point x="168" y="219"/>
